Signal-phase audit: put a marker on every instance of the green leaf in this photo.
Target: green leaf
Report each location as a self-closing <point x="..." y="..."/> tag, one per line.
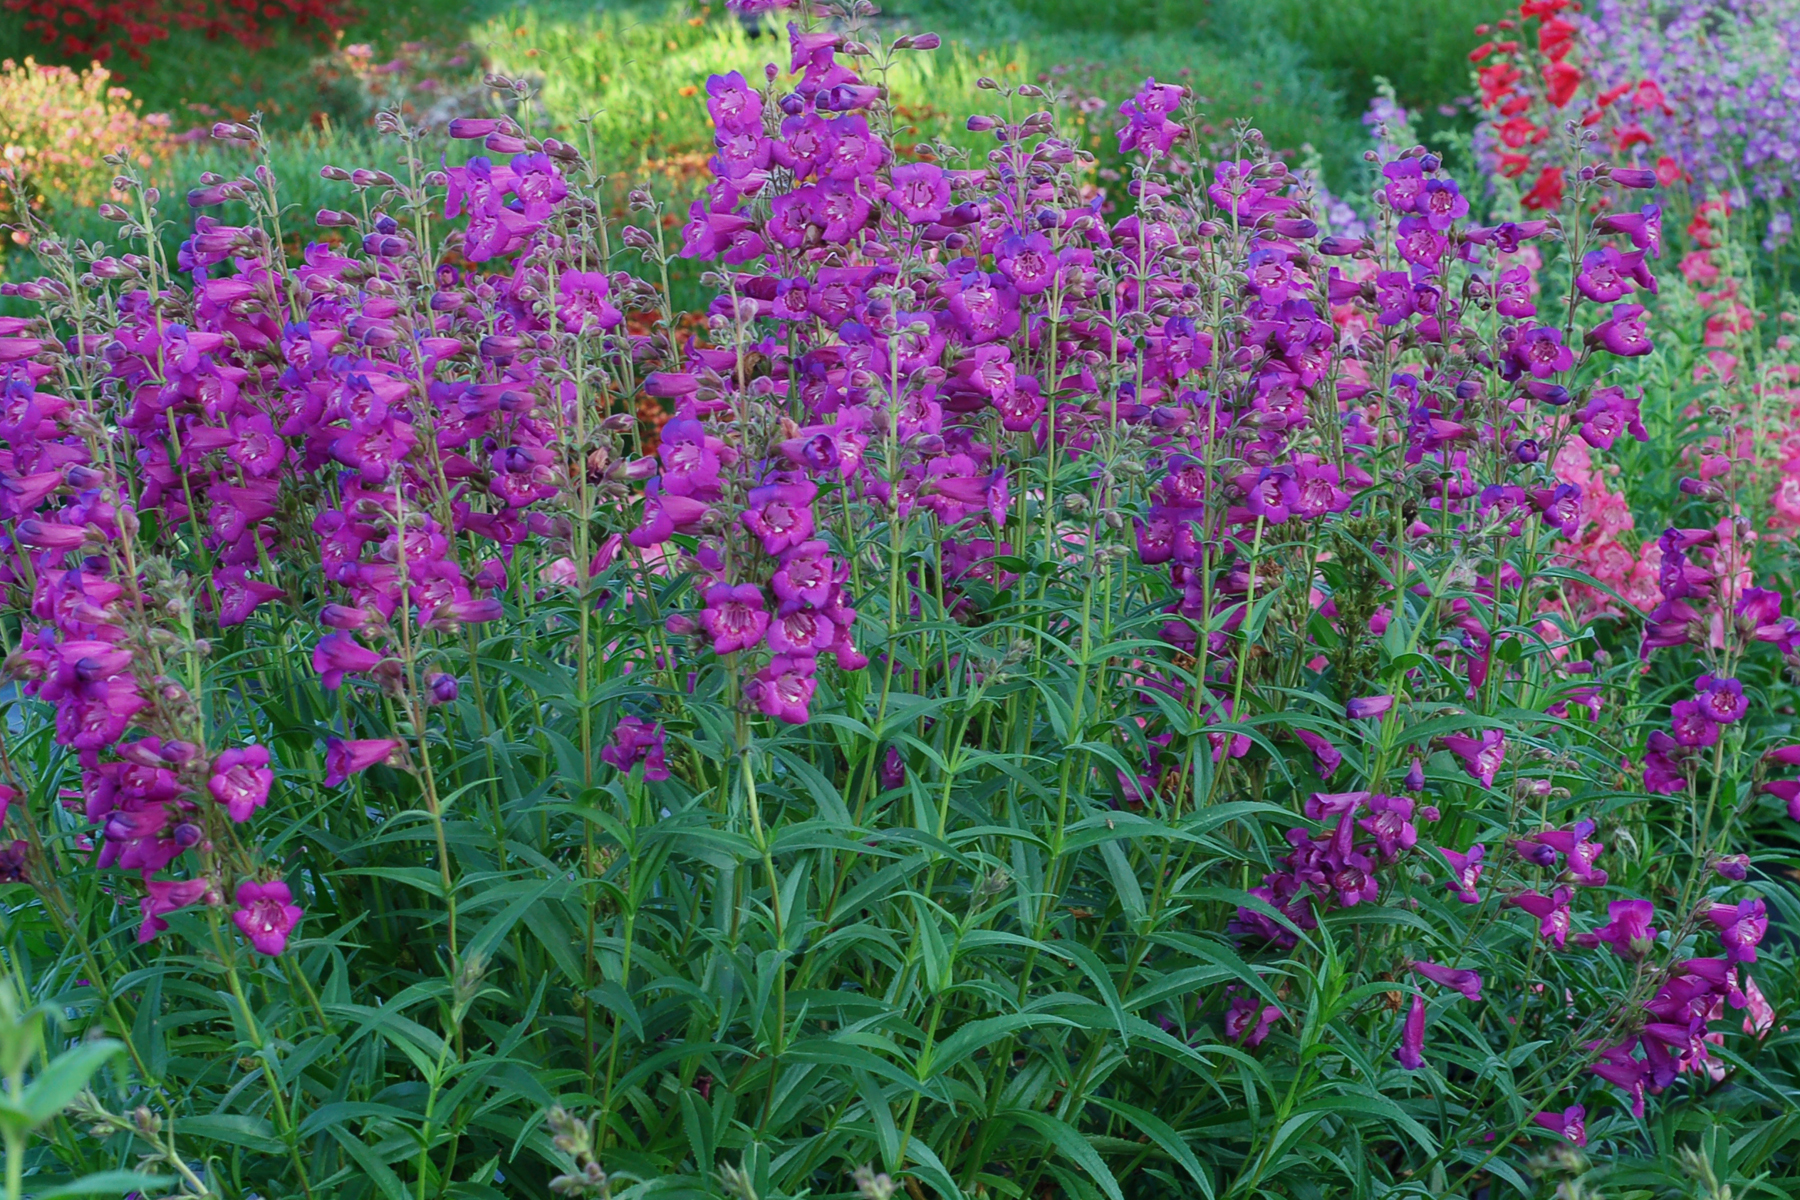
<point x="101" y="1183"/>
<point x="59" y="1083"/>
<point x="1071" y="1145"/>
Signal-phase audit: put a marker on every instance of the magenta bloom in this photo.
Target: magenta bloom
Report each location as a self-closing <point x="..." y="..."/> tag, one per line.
<point x="1618" y="1067"/>
<point x="346" y="758"/>
<point x="1363" y="707"/>
<point x="1552" y="913"/>
<point x="1741" y="927"/>
<point x="1541" y="353"/>
<point x="1465" y="872"/>
<point x="339" y="654"/>
<point x="1326" y="756"/>
<point x="1721" y="700"/>
<point x="1482" y="756"/>
<point x="1734" y="867"/>
<point x="1570" y="1123"/>
<point x="634" y="741"/>
<point x="166" y="895"/>
<point x="921" y="191"/>
<point x="241" y="780"/>
<point x="1629" y="933"/>
<point x="1248" y="1020"/>
<point x="781" y="515"/>
<point x="1411" y="1054"/>
<point x="1624" y="333"/>
<point x="266" y="914"/>
<point x="734" y="616"/>
<point x="1466" y="982"/>
<point x="1691" y="726"/>
<point x="784" y="688"/>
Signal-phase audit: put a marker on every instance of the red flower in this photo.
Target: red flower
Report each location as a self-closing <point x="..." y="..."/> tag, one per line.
<point x="1561" y="79"/>
<point x="1547" y="192"/>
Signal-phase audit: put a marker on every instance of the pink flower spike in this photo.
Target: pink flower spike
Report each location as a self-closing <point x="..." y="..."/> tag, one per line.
<point x="266" y="914"/>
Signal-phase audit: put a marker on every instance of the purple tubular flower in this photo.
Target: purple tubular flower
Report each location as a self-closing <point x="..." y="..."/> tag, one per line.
<point x="1248" y="1020"/>
<point x="734" y="616"/>
<point x="1552" y="913"/>
<point x="1411" y="1052"/>
<point x="346" y="758"/>
<point x="1620" y="1068"/>
<point x="1570" y="1124"/>
<point x="1735" y="867"/>
<point x="1466" y="982"/>
<point x="1741" y="927"/>
<point x="1481" y="756"/>
<point x="1326" y="756"/>
<point x="165" y="896"/>
<point x="241" y="780"/>
<point x="1465" y="872"/>
<point x="1629" y="934"/>
<point x="635" y="740"/>
<point x="781" y="515"/>
<point x="1721" y="700"/>
<point x="339" y="654"/>
<point x="1365" y="707"/>
<point x="266" y="914"/>
<point x="784" y="689"/>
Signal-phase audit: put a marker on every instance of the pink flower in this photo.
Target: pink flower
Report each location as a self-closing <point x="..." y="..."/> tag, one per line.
<point x="240" y="780"/>
<point x="266" y="914"/>
<point x="1466" y="982"/>
<point x="1326" y="755"/>
<point x="1465" y="872"/>
<point x="339" y="654"/>
<point x="1411" y="1054"/>
<point x="165" y="896"/>
<point x="346" y="758"/>
<point x="1570" y="1123"/>
<point x="734" y="616"/>
<point x="1551" y="911"/>
<point x="1482" y="756"/>
<point x="784" y="688"/>
<point x="1741" y="927"/>
<point x="1629" y="933"/>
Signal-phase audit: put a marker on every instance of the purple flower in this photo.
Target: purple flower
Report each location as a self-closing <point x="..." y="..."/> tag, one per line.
<point x="1482" y="756"/>
<point x="1411" y="1054"/>
<point x="1552" y="913"/>
<point x="734" y="616"/>
<point x="1390" y="823"/>
<point x="240" y="780"/>
<point x="1466" y="982"/>
<point x="784" y="688"/>
<point x="1029" y="262"/>
<point x="1365" y="707"/>
<point x="441" y="688"/>
<point x="1624" y="333"/>
<point x="339" y="654"/>
<point x="1540" y="352"/>
<point x="1570" y="1123"/>
<point x="1643" y="228"/>
<point x="266" y="914"/>
<point x="346" y="758"/>
<point x="1248" y="1020"/>
<point x="1691" y="726"/>
<point x="1415" y="776"/>
<point x="1618" y="1067"/>
<point x="165" y="896"/>
<point x="635" y="740"/>
<point x="1326" y="755"/>
<point x="1465" y="872"/>
<point x="1741" y="927"/>
<point x="1608" y="413"/>
<point x="1629" y="933"/>
<point x="1721" y="700"/>
<point x="921" y="191"/>
<point x="780" y="515"/>
<point x="1605" y="275"/>
<point x="1735" y="867"/>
